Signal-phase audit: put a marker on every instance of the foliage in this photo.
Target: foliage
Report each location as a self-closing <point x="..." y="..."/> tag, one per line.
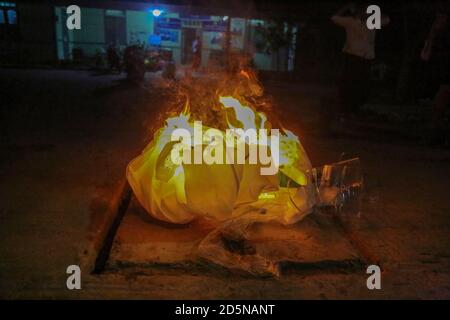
<point x="274" y="36"/>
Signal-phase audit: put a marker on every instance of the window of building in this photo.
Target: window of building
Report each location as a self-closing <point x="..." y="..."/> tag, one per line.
<point x="7" y="4"/>
<point x="12" y="16"/>
<point x="8" y="13"/>
<point x="115" y="27"/>
<point x="257" y="35"/>
<point x="8" y="21"/>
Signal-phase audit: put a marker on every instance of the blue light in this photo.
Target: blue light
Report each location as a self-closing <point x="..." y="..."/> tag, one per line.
<point x="156" y="12"/>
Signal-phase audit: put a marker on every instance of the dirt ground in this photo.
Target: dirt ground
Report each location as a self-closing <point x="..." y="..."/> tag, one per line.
<point x="70" y="135"/>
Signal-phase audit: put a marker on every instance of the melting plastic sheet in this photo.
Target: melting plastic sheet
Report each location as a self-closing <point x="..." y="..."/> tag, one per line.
<point x="238" y="196"/>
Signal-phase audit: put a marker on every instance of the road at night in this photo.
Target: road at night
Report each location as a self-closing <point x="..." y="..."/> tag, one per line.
<point x="68" y="144"/>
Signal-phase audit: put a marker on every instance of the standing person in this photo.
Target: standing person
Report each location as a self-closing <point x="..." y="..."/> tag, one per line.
<point x="113" y="58"/>
<point x="358" y="54"/>
<point x="437" y="46"/>
<point x="197" y="53"/>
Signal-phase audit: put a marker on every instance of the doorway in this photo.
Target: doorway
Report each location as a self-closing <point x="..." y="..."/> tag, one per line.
<point x="188" y="36"/>
<point x="115" y="27"/>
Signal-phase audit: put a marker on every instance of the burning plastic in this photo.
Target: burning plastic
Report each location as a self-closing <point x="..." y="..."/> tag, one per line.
<point x="235" y="194"/>
<point x="179" y="193"/>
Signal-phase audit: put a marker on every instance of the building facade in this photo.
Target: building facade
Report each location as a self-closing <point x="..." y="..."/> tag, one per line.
<point x="38" y="32"/>
<point x="27" y="32"/>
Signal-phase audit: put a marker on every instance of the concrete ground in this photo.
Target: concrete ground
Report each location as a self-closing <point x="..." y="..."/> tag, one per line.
<point x="71" y="134"/>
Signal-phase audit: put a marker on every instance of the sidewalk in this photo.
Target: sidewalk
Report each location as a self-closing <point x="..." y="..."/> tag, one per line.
<point x="69" y="142"/>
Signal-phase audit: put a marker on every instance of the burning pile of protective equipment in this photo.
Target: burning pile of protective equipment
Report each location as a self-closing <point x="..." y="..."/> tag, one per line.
<point x="198" y="175"/>
<point x="221" y="190"/>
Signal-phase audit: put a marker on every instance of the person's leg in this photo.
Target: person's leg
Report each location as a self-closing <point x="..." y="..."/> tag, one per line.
<point x="357" y="83"/>
<point x="441" y="101"/>
<point x="365" y="83"/>
<point x="361" y="83"/>
<point x="195" y="62"/>
<point x="344" y="84"/>
<point x="4" y="136"/>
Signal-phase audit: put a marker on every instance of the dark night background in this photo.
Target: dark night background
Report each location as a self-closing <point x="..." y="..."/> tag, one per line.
<point x="70" y="123"/>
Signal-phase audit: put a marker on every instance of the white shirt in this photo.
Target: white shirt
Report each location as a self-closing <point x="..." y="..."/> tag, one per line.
<point x="360" y="40"/>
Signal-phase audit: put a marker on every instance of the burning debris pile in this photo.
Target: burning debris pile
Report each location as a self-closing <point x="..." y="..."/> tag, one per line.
<point x="222" y="158"/>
